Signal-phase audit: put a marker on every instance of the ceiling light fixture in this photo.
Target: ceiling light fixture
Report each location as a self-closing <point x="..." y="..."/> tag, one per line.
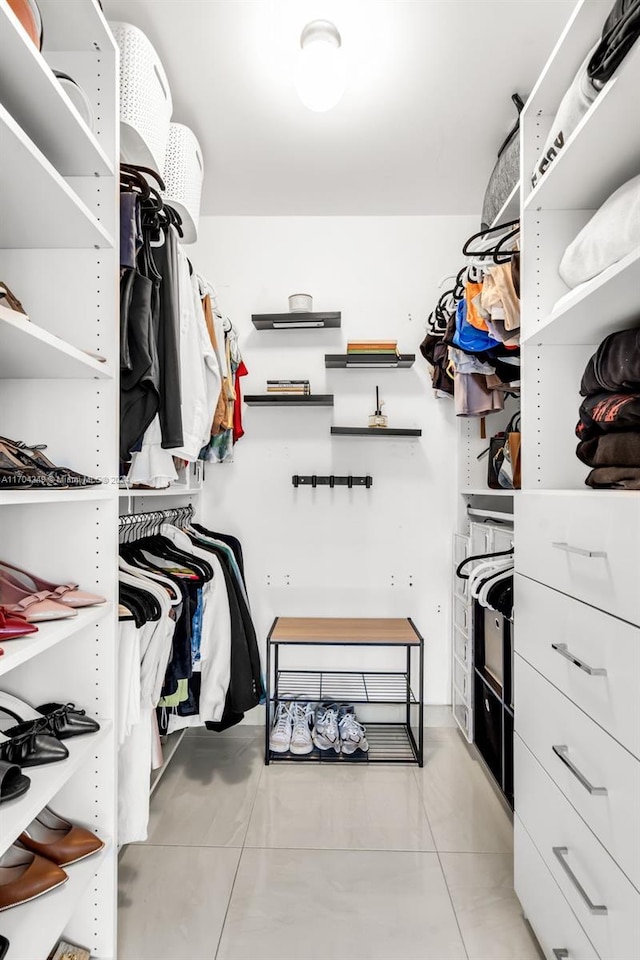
<point x="320" y="74"/>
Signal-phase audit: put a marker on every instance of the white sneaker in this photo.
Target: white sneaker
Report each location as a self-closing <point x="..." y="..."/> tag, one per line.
<point x="301" y="741"/>
<point x="280" y="736"/>
<point x="353" y="736"/>
<point x="326" y="735"/>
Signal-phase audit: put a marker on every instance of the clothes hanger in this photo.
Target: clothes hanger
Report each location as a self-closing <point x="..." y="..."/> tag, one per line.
<point x="480" y="556"/>
<point x="512" y="228"/>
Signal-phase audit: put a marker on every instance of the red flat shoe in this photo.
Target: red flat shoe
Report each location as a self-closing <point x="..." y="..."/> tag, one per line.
<point x="66" y="593"/>
<point x="14" y="625"/>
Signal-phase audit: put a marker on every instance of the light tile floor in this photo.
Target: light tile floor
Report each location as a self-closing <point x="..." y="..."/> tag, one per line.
<point x="298" y="862"/>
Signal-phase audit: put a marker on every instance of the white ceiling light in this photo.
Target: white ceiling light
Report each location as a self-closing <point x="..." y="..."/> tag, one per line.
<point x="320" y="74"/>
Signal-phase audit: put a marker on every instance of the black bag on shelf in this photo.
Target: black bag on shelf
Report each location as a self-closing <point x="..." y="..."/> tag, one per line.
<point x="620" y="32"/>
<point x="506" y="172"/>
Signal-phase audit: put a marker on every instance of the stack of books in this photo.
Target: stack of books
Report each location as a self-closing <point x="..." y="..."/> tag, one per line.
<point x="367" y="350"/>
<point x="289" y="387"/>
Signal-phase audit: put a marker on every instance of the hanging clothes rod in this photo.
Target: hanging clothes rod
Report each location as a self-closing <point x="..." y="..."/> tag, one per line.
<point x="149" y="522"/>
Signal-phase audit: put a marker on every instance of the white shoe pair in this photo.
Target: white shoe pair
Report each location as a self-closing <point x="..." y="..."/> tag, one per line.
<point x="336" y="728"/>
<point x="291" y="730"/>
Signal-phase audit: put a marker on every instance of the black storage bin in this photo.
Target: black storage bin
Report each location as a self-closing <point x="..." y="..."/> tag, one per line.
<point x="508" y="757"/>
<point x="487" y="717"/>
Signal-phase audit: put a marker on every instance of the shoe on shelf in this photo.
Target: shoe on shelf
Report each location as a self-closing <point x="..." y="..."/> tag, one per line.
<point x="326" y="735"/>
<point x="30" y="745"/>
<point x="280" y="735"/>
<point x="301" y="717"/>
<point x="33" y="456"/>
<point x="61" y="720"/>
<point x="34" y="607"/>
<point x="25" y="876"/>
<point x="66" y="593"/>
<point x="59" y="840"/>
<point x="13" y="783"/>
<point x="16" y="475"/>
<point x="353" y="736"/>
<point x="14" y="625"/>
<point x="10" y="301"/>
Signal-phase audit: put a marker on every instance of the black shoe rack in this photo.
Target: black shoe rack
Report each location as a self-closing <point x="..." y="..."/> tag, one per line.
<point x="396" y="742"/>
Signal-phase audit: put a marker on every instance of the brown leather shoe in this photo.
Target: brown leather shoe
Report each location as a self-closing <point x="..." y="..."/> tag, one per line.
<point x="25" y="876"/>
<point x="59" y="840"/>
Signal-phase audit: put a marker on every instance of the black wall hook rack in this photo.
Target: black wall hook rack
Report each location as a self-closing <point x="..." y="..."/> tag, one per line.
<point x="315" y="481"/>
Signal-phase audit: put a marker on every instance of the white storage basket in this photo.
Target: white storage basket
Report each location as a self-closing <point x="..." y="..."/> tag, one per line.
<point x="183" y="173"/>
<point x="145" y="99"/>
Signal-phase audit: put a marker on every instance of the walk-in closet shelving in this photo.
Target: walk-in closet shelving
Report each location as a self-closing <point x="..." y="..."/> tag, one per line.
<point x="578" y="550"/>
<point x="337" y="361"/>
<point x="269" y="400"/>
<point x="296" y="321"/>
<point x="59" y="217"/>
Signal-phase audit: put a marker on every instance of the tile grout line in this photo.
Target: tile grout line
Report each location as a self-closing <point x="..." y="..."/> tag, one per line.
<point x="444" y="876"/>
<point x="237" y="870"/>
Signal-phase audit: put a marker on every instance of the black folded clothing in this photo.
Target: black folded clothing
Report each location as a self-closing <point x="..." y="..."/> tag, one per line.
<point x="608" y="413"/>
<point x="620" y="32"/>
<point x="611" y="450"/>
<point x="615" y="365"/>
<point x="619" y="478"/>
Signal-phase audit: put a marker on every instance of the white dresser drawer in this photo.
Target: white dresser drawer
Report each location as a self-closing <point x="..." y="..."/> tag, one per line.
<point x="602" y="898"/>
<point x="587" y="641"/>
<point x="463" y="714"/>
<point x="461" y="615"/>
<point x="586" y="545"/>
<point x="598" y="776"/>
<point x="545" y="908"/>
<point x="462" y="680"/>
<point x="462" y="648"/>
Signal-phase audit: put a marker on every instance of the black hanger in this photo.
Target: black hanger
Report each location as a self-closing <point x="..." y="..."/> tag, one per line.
<point x="493" y="252"/>
<point x="480" y="556"/>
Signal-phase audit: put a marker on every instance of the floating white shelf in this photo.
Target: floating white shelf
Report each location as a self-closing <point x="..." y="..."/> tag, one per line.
<point x="42" y="108"/>
<point x="578" y="179"/>
<point x="17" y="652"/>
<point x="77" y="25"/>
<point x="510" y="209"/>
<point x="29" y="352"/>
<point x="46" y="781"/>
<point x="104" y="491"/>
<point x="34" y="928"/>
<point x="594" y="309"/>
<point x="48" y="214"/>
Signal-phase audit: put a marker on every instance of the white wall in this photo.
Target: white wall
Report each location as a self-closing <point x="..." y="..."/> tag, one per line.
<point x="383" y="552"/>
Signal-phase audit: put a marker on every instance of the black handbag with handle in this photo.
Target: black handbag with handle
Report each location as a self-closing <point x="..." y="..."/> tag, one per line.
<point x="506" y="172"/>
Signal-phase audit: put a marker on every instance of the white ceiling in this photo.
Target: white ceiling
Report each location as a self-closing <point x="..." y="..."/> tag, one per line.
<point x="426" y="107"/>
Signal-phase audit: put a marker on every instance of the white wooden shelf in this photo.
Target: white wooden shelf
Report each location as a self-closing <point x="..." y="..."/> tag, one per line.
<point x="29" y="352"/>
<point x="510" y="209"/>
<point x="177" y="490"/>
<point x="77" y="25"/>
<point x="582" y="176"/>
<point x="103" y="491"/>
<point x="46" y="782"/>
<point x="33" y="929"/>
<point x="42" y="108"/>
<point x="594" y="309"/>
<point x="48" y="214"/>
<point x="50" y="634"/>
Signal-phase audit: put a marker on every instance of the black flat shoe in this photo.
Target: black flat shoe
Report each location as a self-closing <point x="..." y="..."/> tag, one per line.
<point x="30" y="745"/>
<point x="13" y="783"/>
<point x="65" y="720"/>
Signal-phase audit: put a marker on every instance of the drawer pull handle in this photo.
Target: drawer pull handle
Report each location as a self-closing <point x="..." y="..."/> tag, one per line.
<point x="562" y="753"/>
<point x="597" y="909"/>
<point x="579" y="550"/>
<point x="560" y="954"/>
<point x="564" y="651"/>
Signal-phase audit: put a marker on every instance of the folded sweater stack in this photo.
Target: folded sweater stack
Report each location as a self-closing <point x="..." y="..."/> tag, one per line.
<point x="609" y="426"/>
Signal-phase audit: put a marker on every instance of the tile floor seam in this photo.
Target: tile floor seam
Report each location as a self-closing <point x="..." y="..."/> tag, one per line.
<point x="453" y="906"/>
<point x="226" y="912"/>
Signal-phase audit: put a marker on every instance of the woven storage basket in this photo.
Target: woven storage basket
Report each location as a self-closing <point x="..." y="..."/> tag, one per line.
<point x="145" y="99"/>
<point x="183" y="173"/>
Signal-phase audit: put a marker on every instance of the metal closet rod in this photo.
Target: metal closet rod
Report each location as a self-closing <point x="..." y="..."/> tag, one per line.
<point x="331" y="481"/>
<point x="152" y="519"/>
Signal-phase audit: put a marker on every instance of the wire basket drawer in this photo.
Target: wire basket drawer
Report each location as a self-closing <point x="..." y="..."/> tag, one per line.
<point x="183" y="174"/>
<point x="145" y="99"/>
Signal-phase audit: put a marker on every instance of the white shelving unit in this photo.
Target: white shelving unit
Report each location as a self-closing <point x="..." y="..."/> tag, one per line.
<point x="59" y="202"/>
<point x="562" y="835"/>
